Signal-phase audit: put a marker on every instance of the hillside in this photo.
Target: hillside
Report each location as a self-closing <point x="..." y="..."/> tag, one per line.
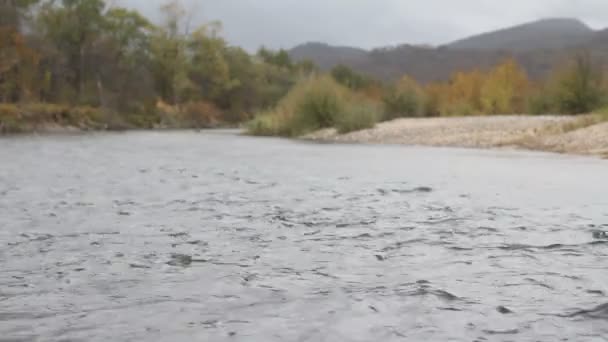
<point x="542" y="34"/>
<point x="537" y="46"/>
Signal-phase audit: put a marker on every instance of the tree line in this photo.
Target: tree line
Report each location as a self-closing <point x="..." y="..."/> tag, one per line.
<point x="352" y="101"/>
<point x="88" y="64"/>
<point x="88" y="54"/>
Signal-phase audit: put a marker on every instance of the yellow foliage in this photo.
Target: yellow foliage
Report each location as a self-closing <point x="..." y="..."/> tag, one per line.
<point x="465" y="89"/>
<point x="504" y="90"/>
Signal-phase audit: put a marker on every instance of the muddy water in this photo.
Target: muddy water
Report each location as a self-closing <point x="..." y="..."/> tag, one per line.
<point x="213" y="237"/>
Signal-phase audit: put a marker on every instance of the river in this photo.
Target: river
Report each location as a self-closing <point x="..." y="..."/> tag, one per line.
<point x="211" y="236"/>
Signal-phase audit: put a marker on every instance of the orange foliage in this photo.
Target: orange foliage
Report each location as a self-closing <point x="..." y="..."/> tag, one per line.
<point x="18" y="64"/>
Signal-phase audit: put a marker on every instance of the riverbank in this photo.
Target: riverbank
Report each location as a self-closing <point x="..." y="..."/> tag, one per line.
<point x="587" y="135"/>
<point x="43" y="118"/>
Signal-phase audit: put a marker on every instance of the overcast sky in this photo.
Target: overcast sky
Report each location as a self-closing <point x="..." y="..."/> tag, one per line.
<point x="372" y="23"/>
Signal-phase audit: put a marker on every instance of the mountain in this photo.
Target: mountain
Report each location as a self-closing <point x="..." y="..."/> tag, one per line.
<point x="326" y="56"/>
<point x="537" y="46"/>
<point x="542" y="34"/>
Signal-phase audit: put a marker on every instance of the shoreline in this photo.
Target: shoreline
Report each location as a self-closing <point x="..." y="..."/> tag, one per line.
<point x="577" y="135"/>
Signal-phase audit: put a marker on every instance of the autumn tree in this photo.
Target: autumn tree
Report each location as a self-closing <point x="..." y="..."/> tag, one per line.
<point x="74" y="28"/>
<point x="18" y="62"/>
<point x="504" y="89"/>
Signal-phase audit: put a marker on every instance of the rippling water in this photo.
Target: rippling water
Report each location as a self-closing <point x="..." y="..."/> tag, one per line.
<point x="214" y="237"/>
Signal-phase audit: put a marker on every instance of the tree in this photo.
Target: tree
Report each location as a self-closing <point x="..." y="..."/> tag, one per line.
<point x="279" y="58"/>
<point x="18" y="62"/>
<point x="74" y="28"/>
<point x="349" y="78"/>
<point x="405" y="99"/>
<point x="504" y="89"/>
<point x="168" y="54"/>
<point x="209" y="70"/>
<point x="18" y="66"/>
<point x="12" y="12"/>
<point x="579" y="86"/>
<point x="123" y="61"/>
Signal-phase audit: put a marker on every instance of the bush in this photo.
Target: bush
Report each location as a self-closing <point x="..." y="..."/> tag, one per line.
<point x="358" y="117"/>
<point x="401" y="104"/>
<point x="266" y="124"/>
<point x="314" y="103"/>
<point x="405" y="99"/>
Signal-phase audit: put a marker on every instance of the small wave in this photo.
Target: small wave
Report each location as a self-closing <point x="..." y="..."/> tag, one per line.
<point x="599" y="312"/>
<point x="420" y="189"/>
<point x="401" y="244"/>
<point x="502" y="332"/>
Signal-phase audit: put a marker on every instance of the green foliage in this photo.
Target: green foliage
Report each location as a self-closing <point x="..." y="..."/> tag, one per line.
<point x="266" y="124"/>
<point x="358" y="117"/>
<point x="279" y="58"/>
<point x="541" y="102"/>
<point x="579" y="87"/>
<point x="405" y="99"/>
<point x="401" y="104"/>
<point x="349" y="78"/>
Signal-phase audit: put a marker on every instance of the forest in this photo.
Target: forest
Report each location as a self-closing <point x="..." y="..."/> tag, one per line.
<point x="89" y="65"/>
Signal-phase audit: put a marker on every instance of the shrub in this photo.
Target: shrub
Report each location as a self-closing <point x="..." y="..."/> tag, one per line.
<point x="266" y="124"/>
<point x="314" y="103"/>
<point x="401" y="104"/>
<point x="405" y="99"/>
<point x="358" y="117"/>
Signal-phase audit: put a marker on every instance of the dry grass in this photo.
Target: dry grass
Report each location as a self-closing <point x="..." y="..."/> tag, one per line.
<point x="36" y="116"/>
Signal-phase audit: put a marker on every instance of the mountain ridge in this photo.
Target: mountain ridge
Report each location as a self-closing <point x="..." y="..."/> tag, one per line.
<point x="537" y="46"/>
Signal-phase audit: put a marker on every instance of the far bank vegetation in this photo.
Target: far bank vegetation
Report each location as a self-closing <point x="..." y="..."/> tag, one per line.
<point x="90" y="64"/>
<point x="577" y="86"/>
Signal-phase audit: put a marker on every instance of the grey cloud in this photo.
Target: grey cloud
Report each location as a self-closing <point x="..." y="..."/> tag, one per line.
<point x="372" y="23"/>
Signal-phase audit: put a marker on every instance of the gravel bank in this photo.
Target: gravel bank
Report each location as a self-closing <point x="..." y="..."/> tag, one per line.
<point x="546" y="133"/>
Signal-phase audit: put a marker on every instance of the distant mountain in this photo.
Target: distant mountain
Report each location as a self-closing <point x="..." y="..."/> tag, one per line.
<point x="326" y="56"/>
<point x="542" y="34"/>
<point x="537" y="46"/>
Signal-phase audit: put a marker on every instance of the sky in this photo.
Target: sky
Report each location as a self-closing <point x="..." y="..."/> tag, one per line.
<point x="371" y="23"/>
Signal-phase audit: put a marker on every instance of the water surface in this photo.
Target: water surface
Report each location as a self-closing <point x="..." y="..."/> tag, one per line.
<point x="181" y="236"/>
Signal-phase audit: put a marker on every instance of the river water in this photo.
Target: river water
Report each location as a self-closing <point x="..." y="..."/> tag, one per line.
<point x="184" y="236"/>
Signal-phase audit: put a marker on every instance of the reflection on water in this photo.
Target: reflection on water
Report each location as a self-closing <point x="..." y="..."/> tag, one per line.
<point x="210" y="236"/>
